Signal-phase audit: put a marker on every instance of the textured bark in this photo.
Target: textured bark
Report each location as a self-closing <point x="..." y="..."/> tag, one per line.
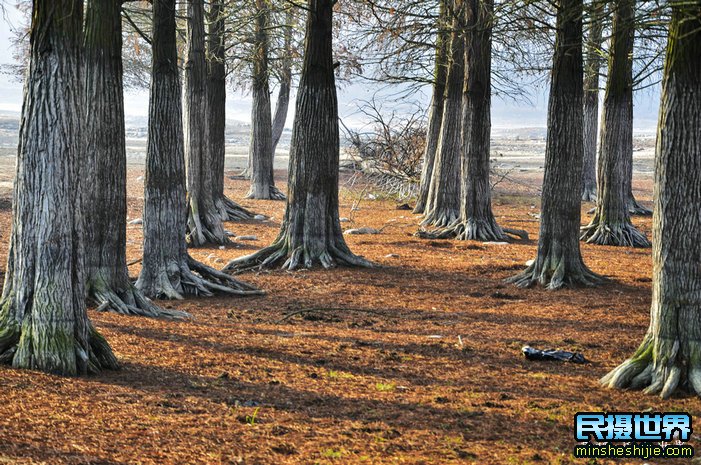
<point x="559" y="261"/>
<point x="167" y="270"/>
<point x="216" y="115"/>
<point x="283" y="96"/>
<point x="107" y="277"/>
<point x="204" y="223"/>
<point x="435" y="117"/>
<point x="261" y="149"/>
<point x="43" y="318"/>
<point x="476" y="221"/>
<point x="443" y="202"/>
<point x="611" y="222"/>
<point x="592" y="67"/>
<point x="311" y="231"/>
<point x="669" y="357"/>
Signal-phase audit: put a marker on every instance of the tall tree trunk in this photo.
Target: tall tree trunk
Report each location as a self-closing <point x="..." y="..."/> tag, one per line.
<point x="443" y="202"/>
<point x="311" y="231"/>
<point x="283" y="96"/>
<point x="216" y="115"/>
<point x="204" y="224"/>
<point x="167" y="269"/>
<point x="261" y="149"/>
<point x="611" y="223"/>
<point x="670" y="355"/>
<point x="592" y="67"/>
<point x="435" y="117"/>
<point x="43" y="319"/>
<point x="107" y="277"/>
<point x="477" y="221"/>
<point x="559" y="261"/>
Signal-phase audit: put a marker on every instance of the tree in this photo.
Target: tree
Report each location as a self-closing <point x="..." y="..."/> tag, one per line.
<point x="437" y="103"/>
<point x="204" y="223"/>
<point x="261" y="154"/>
<point x="670" y="354"/>
<point x="107" y="277"/>
<point x="611" y="222"/>
<point x="311" y="231"/>
<point x="43" y="319"/>
<point x="216" y="115"/>
<point x="559" y="261"/>
<point x="285" y="80"/>
<point x="592" y="68"/>
<point x="167" y="269"/>
<point x="443" y="202"/>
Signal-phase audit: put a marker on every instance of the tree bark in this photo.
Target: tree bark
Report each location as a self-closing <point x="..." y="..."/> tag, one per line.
<point x="167" y="269"/>
<point x="204" y="224"/>
<point x="311" y="231"/>
<point x="283" y="96"/>
<point x="443" y="202"/>
<point x="611" y="222"/>
<point x="43" y="318"/>
<point x="669" y="357"/>
<point x="107" y="277"/>
<point x="261" y="149"/>
<point x="559" y="261"/>
<point x="216" y="115"/>
<point x="435" y="117"/>
<point x="592" y="68"/>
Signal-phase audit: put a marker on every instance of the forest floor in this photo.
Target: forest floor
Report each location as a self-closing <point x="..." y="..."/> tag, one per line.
<point x="414" y="362"/>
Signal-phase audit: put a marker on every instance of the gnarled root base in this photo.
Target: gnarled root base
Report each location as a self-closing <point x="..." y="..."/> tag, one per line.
<point x="473" y="230"/>
<point x="192" y="278"/>
<point x="658" y="369"/>
<point x="57" y="353"/>
<point x="622" y="234"/>
<point x="305" y="256"/>
<point x="204" y="227"/>
<point x="553" y="272"/>
<point x="440" y="219"/>
<point x="634" y="208"/>
<point x="589" y="194"/>
<point x="273" y="193"/>
<point x="231" y="211"/>
<point x="129" y="302"/>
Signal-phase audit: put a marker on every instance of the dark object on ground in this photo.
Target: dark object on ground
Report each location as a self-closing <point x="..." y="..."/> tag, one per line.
<point x="404" y="206"/>
<point x="549" y="354"/>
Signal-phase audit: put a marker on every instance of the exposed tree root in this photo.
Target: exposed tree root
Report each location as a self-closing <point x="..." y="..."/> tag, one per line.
<point x="556" y="271"/>
<point x="622" y="234"/>
<point x="303" y="256"/>
<point x="589" y="194"/>
<point x="192" y="278"/>
<point x="473" y="230"/>
<point x="231" y="211"/>
<point x="129" y="301"/>
<point x="52" y="353"/>
<point x="442" y="218"/>
<point x="204" y="227"/>
<point x="273" y="194"/>
<point x="659" y="367"/>
<point x="634" y="208"/>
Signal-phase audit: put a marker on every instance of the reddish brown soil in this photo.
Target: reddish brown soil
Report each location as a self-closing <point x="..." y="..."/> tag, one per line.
<point x="375" y="376"/>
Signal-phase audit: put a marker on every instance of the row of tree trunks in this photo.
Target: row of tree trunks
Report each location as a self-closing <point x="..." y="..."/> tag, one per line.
<point x="216" y="115"/>
<point x="443" y="201"/>
<point x="611" y="224"/>
<point x="592" y="67"/>
<point x="43" y="317"/>
<point x="311" y="232"/>
<point x="105" y="169"/>
<point x="167" y="269"/>
<point x="435" y="117"/>
<point x="559" y="261"/>
<point x="261" y="154"/>
<point x="669" y="357"/>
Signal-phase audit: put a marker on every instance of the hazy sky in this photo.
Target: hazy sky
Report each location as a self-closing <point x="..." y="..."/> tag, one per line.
<point x="505" y="113"/>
